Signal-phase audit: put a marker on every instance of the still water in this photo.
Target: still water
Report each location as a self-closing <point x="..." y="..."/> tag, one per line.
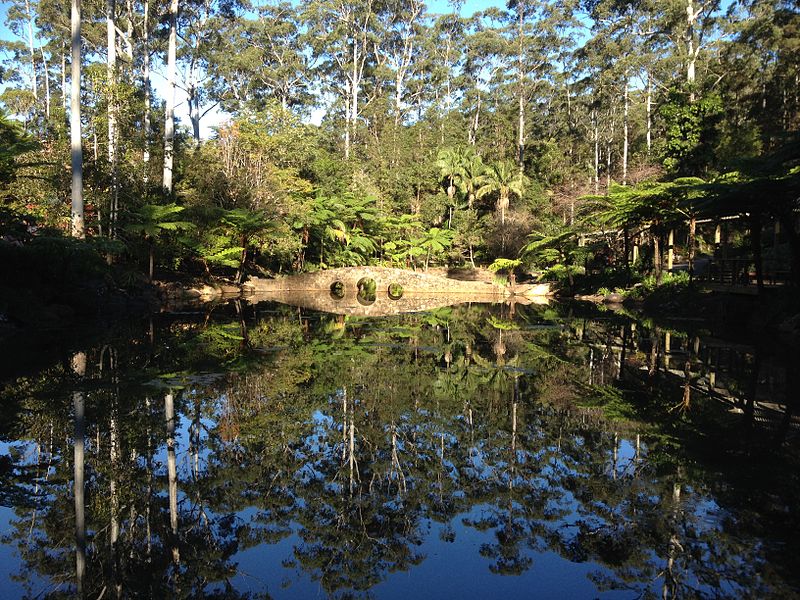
<point x="267" y="451"/>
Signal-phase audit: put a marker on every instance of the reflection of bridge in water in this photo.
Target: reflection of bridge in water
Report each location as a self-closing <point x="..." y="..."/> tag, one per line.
<point x="378" y="291"/>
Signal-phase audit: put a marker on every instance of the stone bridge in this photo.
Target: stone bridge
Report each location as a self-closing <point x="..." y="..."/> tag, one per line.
<point x="373" y="291"/>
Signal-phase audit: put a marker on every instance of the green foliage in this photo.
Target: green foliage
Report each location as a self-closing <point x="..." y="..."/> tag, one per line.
<point x="613" y="401"/>
<point x="503" y="179"/>
<point x="691" y="132"/>
<point x="504" y="264"/>
<point x="13" y="142"/>
<point x="672" y="286"/>
<point x="521" y="107"/>
<point x="561" y="255"/>
<point x="150" y="220"/>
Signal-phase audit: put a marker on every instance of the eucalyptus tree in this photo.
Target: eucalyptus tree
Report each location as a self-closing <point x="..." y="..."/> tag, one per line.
<point x="201" y="23"/>
<point x="405" y="20"/>
<point x="169" y="107"/>
<point x="255" y="60"/>
<point x="759" y="70"/>
<point x="76" y="149"/>
<point x="342" y="36"/>
<point x="444" y="49"/>
<point x="484" y="47"/>
<point x="617" y="46"/>
<point x="112" y="109"/>
<point x="20" y="18"/>
<point x="536" y="35"/>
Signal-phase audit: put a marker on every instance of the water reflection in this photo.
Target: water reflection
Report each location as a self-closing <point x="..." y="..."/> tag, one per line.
<point x="270" y="449"/>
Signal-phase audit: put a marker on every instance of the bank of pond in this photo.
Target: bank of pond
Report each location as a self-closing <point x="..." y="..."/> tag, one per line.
<point x="266" y="450"/>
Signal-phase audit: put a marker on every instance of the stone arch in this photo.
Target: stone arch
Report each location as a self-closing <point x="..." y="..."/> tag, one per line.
<point x="366" y="293"/>
<point x="337" y="290"/>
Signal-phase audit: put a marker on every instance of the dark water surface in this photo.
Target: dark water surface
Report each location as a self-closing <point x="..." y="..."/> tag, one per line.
<point x="470" y="452"/>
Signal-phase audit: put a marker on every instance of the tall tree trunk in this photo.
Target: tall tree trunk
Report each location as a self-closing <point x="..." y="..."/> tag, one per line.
<point x="625" y="135"/>
<point x="354" y="85"/>
<point x="172" y="476"/>
<point x="691" y="50"/>
<point x="114" y="496"/>
<point x="111" y="74"/>
<point x="127" y="39"/>
<point x="194" y="111"/>
<point x="78" y="225"/>
<point x="596" y="152"/>
<point x="520" y="85"/>
<point x="34" y="84"/>
<point x="64" y="94"/>
<point x="46" y="83"/>
<point x="347" y="121"/>
<point x="169" y="124"/>
<point x="79" y="367"/>
<point x="649" y="108"/>
<point x="146" y="86"/>
<point x="692" y="238"/>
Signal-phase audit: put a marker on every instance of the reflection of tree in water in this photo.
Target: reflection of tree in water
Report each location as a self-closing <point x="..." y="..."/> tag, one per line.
<point x="353" y="437"/>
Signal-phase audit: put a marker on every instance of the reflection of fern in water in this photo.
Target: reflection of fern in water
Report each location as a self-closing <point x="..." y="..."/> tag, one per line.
<point x="610" y="399"/>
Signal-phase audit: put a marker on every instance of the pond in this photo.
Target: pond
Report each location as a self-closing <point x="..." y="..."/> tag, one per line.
<point x="476" y="451"/>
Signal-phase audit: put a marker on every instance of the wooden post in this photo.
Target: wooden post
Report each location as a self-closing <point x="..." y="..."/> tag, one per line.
<point x="670" y="253"/>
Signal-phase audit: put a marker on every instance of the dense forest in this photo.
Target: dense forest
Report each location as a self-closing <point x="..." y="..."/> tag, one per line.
<point x="554" y="136"/>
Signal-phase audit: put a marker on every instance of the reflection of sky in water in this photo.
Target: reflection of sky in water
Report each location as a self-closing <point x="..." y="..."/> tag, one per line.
<point x="548" y="490"/>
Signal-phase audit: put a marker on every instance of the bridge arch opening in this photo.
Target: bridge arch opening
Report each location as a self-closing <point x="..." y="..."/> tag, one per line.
<point x="337" y="290"/>
<point x="395" y="291"/>
<point x="366" y="291"/>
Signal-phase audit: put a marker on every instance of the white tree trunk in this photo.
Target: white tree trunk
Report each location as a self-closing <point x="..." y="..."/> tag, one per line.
<point x="609" y="141"/>
<point x="78" y="225"/>
<point x="347" y="122"/>
<point x="34" y="84"/>
<point x="169" y="123"/>
<point x="625" y="136"/>
<point x="521" y="84"/>
<point x="475" y="123"/>
<point x="691" y="50"/>
<point x="79" y="368"/>
<point x="64" y="94"/>
<point x="111" y="75"/>
<point x="649" y="108"/>
<point x="47" y="83"/>
<point x="172" y="475"/>
<point x="146" y="86"/>
<point x="596" y="153"/>
<point x="354" y="85"/>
